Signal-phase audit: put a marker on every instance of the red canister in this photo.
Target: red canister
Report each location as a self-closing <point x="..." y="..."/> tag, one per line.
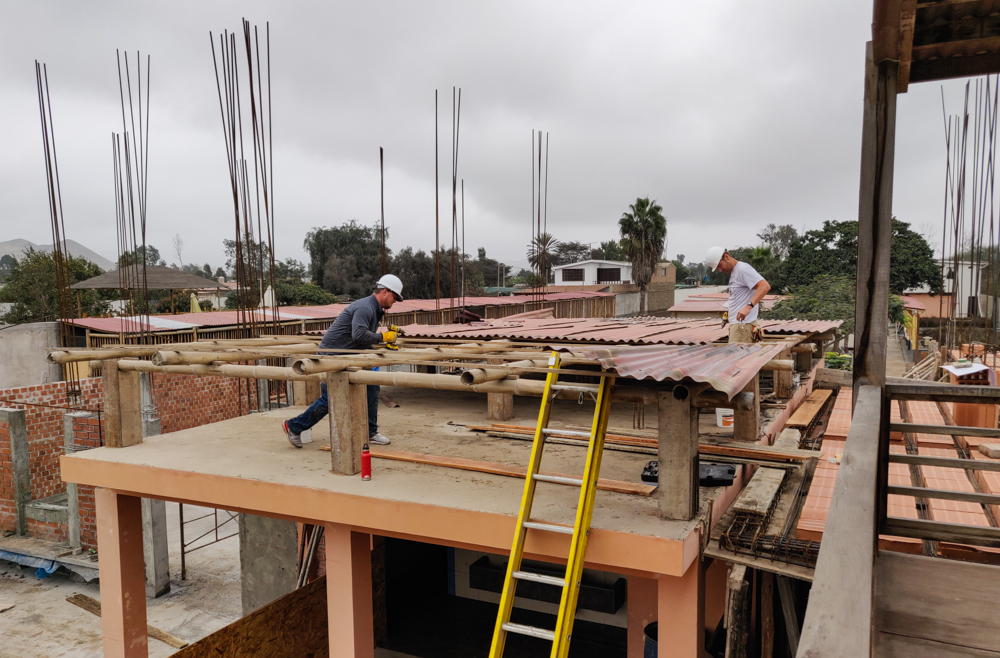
<point x="366" y="463"/>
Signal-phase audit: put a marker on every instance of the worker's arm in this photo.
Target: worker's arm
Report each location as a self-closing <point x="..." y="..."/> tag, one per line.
<point x="363" y="319"/>
<point x="760" y="289"/>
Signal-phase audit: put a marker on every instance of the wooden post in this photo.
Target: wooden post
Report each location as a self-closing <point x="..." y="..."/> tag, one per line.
<point x="379" y="598"/>
<point x="767" y="614"/>
<point x="499" y="406"/>
<point x="878" y="142"/>
<point x="312" y="392"/>
<point x="737" y="612"/>
<point x="789" y="612"/>
<point x="123" y="581"/>
<point x="122" y="406"/>
<point x="348" y="422"/>
<point x="803" y="362"/>
<point x="677" y="422"/>
<point x="112" y="414"/>
<point x="783" y="378"/>
<point x="681" y="613"/>
<point x="349" y="592"/>
<point x="746" y="421"/>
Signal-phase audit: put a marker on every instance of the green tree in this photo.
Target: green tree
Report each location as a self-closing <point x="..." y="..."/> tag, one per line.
<point x="149" y="253"/>
<point x="610" y="250"/>
<point x="349" y="245"/>
<point x="778" y="238"/>
<point x="7" y="264"/>
<point x="833" y="249"/>
<point x="571" y="252"/>
<point x="766" y="262"/>
<point x="644" y="234"/>
<point x="30" y="288"/>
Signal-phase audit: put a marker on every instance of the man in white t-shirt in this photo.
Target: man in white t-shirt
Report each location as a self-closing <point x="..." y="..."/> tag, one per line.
<point x="746" y="286"/>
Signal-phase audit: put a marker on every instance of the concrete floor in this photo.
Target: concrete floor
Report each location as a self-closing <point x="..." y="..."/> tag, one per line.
<point x="43" y="624"/>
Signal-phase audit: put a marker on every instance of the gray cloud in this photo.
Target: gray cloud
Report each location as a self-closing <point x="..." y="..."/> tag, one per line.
<point x="731" y="115"/>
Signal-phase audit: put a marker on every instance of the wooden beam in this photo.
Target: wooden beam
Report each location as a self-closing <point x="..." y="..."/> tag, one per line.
<point x="944" y="393"/>
<point x="950" y="430"/>
<point x="737" y="612"/>
<point x="94" y="607"/>
<point x="783" y="378"/>
<point x="130" y="406"/>
<point x="746" y="422"/>
<point x="950" y="532"/>
<point x="945" y="494"/>
<point x="811" y="406"/>
<point x="947" y="462"/>
<point x="907" y="25"/>
<point x="766" y="614"/>
<point x="878" y="138"/>
<point x="677" y="422"/>
<point x="838" y="619"/>
<point x="112" y="412"/>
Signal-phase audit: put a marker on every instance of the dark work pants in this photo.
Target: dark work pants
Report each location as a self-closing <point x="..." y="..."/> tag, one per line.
<point x="321" y="407"/>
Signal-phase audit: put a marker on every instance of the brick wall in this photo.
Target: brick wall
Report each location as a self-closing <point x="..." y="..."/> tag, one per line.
<point x="87" y="433"/>
<point x="47" y="531"/>
<point x="183" y="401"/>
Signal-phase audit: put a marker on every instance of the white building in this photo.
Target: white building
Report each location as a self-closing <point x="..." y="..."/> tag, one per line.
<point x="593" y="272"/>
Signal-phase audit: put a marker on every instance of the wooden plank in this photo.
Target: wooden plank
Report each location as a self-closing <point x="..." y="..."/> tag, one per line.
<point x="294" y="625"/>
<point x="783" y="378"/>
<point x="890" y="645"/>
<point x="950" y="430"/>
<point x="502" y="469"/>
<point x="952" y="532"/>
<point x="94" y="607"/>
<point x="838" y="619"/>
<point x="130" y="404"/>
<point x="758" y="495"/>
<point x="811" y="406"/>
<point x="112" y="411"/>
<point x="754" y="451"/>
<point x="944" y="494"/>
<point x="946" y="462"/>
<point x="789" y="614"/>
<point x="943" y="393"/>
<point x="796" y="571"/>
<point x="936" y="599"/>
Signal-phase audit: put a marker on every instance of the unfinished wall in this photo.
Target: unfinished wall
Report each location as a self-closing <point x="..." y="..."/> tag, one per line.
<point x="185" y="401"/>
<point x="22" y="354"/>
<point x="268" y="556"/>
<point x="659" y="297"/>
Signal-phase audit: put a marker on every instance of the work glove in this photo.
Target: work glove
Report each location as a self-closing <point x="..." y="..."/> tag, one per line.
<point x="389" y="336"/>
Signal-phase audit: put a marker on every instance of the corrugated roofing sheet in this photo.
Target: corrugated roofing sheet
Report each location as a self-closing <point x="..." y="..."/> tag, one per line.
<point x="724" y="367"/>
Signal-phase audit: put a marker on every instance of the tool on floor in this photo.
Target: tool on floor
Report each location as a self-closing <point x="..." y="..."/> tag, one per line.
<point x="366" y="463"/>
<point x="570" y="582"/>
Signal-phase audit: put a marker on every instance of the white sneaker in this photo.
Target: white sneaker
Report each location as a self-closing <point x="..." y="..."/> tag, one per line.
<point x="379" y="440"/>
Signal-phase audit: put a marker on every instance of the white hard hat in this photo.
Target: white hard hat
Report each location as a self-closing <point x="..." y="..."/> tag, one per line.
<point x="713" y="257"/>
<point x="392" y="282"/>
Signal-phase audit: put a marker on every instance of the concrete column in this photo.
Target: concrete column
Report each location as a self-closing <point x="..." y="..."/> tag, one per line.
<point x="642" y="610"/>
<point x="677" y="420"/>
<point x="18" y="431"/>
<point x="268" y="557"/>
<point x="154" y="547"/>
<point x="123" y="595"/>
<point x="681" y="613"/>
<point x="263" y="396"/>
<point x="72" y="494"/>
<point x="349" y="592"/>
<point x="150" y="417"/>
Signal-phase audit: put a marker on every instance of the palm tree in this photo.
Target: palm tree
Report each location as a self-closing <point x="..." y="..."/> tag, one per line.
<point x="542" y="253"/>
<point x="644" y="233"/>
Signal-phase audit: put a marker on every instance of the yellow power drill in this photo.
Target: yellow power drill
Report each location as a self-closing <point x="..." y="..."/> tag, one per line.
<point x="399" y="332"/>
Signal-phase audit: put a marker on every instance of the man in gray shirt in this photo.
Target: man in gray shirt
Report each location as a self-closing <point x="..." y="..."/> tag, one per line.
<point x="356" y="328"/>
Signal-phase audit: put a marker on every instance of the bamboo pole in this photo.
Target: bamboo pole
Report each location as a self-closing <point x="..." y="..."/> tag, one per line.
<point x="494" y="372"/>
<point x="128" y="351"/>
<point x="183" y="357"/>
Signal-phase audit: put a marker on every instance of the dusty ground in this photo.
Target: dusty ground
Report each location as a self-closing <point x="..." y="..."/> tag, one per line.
<point x="43" y="623"/>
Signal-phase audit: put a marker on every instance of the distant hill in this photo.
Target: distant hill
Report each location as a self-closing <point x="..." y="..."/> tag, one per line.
<point x="15" y="247"/>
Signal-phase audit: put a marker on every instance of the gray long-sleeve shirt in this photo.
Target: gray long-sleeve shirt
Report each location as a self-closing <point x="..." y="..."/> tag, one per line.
<point x="356" y="328"/>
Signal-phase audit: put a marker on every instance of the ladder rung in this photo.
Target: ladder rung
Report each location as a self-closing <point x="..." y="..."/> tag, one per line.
<point x="557" y="479"/>
<point x="540" y="578"/>
<point x="521" y="629"/>
<point x="577" y="388"/>
<point x="549" y="527"/>
<point x="582" y="435"/>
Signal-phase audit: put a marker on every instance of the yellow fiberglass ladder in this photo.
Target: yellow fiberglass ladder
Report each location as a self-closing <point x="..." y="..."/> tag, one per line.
<point x="570" y="583"/>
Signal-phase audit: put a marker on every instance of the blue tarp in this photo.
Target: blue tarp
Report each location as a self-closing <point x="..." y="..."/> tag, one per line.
<point x="45" y="567"/>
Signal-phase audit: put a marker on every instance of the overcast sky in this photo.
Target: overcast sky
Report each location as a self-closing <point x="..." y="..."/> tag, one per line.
<point x="730" y="114"/>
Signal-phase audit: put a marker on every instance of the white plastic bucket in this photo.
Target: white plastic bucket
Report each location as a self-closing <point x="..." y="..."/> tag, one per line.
<point x="720" y="414"/>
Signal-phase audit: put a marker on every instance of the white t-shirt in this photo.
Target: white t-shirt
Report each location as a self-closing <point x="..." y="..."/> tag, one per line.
<point x="741" y="283"/>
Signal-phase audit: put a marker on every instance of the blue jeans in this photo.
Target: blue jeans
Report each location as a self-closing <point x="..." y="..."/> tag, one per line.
<point x="321" y="407"/>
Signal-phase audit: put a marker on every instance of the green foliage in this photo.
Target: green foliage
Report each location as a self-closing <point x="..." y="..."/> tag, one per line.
<point x="826" y="297"/>
<point x="346" y="259"/>
<point x="766" y="262"/>
<point x="682" y="272"/>
<point x="610" y="250"/>
<point x="833" y="249"/>
<point x="302" y="294"/>
<point x="204" y="271"/>
<point x="778" y="238"/>
<point x="571" y="252"/>
<point x="897" y="312"/>
<point x="543" y="250"/>
<point x="149" y="253"/>
<point x="7" y="264"/>
<point x="837" y="361"/>
<point x="30" y="287"/>
<point x="644" y="234"/>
